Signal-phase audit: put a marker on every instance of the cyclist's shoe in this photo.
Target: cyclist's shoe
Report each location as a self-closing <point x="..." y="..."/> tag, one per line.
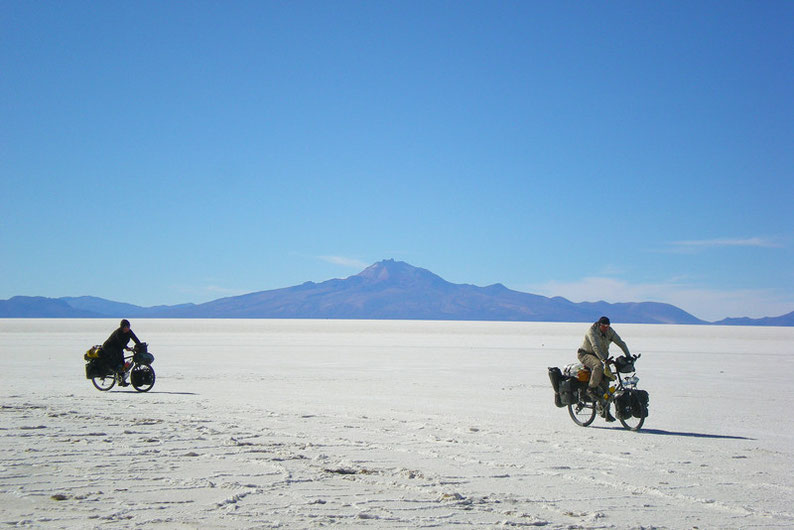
<point x="609" y="417"/>
<point x="121" y="381"/>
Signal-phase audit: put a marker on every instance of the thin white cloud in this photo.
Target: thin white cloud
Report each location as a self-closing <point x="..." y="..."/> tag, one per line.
<point x="345" y="262"/>
<point x="225" y="291"/>
<point x="723" y="242"/>
<point x="706" y="304"/>
<point x="206" y="292"/>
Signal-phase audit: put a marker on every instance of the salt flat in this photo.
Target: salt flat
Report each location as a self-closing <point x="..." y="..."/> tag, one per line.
<point x="391" y="424"/>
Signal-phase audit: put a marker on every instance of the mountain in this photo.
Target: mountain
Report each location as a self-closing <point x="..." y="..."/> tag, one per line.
<point x="782" y="320"/>
<point x="107" y="308"/>
<point x="396" y="290"/>
<point x="386" y="290"/>
<point x="40" y="307"/>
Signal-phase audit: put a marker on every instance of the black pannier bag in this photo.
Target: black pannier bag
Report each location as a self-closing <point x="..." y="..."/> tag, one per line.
<point x="555" y="375"/>
<point x="639" y="403"/>
<point x="96" y="368"/>
<point x="569" y="390"/>
<point x="141" y="376"/>
<point x="623" y="405"/>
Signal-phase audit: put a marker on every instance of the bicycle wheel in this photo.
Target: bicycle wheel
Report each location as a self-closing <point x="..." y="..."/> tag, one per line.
<point x="582" y="413"/>
<point x="104" y="382"/>
<point x="633" y="409"/>
<point x="632" y="423"/>
<point x="142" y="377"/>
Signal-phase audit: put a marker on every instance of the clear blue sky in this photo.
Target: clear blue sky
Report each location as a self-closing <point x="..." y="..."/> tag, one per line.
<point x="169" y="152"/>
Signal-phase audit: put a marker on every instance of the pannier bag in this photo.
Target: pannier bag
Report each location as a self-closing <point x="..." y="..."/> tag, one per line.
<point x="96" y="368"/>
<point x="639" y="403"/>
<point x="569" y="390"/>
<point x="93" y="352"/>
<point x="555" y="375"/>
<point x="141" y="377"/>
<point x="623" y="405"/>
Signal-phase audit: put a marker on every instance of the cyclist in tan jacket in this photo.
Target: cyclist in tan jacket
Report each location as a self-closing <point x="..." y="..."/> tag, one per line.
<point x="593" y="353"/>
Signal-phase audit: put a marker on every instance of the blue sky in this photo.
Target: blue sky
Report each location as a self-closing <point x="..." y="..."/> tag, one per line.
<point x="169" y="152"/>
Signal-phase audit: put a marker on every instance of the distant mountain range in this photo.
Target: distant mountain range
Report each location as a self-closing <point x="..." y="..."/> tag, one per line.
<point x="386" y="290"/>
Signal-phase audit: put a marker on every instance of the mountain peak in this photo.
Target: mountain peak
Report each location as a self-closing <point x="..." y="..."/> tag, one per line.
<point x="392" y="271"/>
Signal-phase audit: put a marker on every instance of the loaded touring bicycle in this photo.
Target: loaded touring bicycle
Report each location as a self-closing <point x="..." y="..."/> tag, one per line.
<point x="139" y="366"/>
<point x="631" y="403"/>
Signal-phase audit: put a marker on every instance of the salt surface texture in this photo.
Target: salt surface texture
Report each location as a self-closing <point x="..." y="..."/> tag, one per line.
<point x="295" y="424"/>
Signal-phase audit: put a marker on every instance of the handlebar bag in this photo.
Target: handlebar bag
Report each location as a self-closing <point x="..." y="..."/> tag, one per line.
<point x="624" y="364"/>
<point x="143" y="358"/>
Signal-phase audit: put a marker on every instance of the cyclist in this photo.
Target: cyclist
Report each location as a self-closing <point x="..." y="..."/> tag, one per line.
<point x="593" y="354"/>
<point x="113" y="349"/>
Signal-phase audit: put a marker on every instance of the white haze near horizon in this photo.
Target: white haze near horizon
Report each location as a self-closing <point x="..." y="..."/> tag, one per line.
<point x="710" y="305"/>
<point x="391" y="424"/>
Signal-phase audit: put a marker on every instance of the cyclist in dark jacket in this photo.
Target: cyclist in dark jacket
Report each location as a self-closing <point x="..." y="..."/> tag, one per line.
<point x="113" y="348"/>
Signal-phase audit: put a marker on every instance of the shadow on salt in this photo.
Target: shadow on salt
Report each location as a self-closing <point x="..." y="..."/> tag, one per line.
<point x="662" y="432"/>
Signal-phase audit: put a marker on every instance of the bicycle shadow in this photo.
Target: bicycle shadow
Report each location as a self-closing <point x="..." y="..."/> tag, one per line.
<point x="662" y="432"/>
<point x="154" y="392"/>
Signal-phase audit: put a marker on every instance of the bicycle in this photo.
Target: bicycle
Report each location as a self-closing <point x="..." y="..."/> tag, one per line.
<point x="631" y="403"/>
<point x="139" y="366"/>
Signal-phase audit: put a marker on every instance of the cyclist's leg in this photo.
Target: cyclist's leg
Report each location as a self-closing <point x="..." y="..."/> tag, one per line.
<point x="596" y="369"/>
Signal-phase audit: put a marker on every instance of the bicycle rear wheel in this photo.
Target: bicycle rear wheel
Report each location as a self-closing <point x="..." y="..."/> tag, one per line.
<point x="104" y="382"/>
<point x="582" y="413"/>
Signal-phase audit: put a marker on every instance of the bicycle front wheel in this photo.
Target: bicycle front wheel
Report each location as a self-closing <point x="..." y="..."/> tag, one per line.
<point x="632" y="423"/>
<point x="582" y="413"/>
<point x="142" y="377"/>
